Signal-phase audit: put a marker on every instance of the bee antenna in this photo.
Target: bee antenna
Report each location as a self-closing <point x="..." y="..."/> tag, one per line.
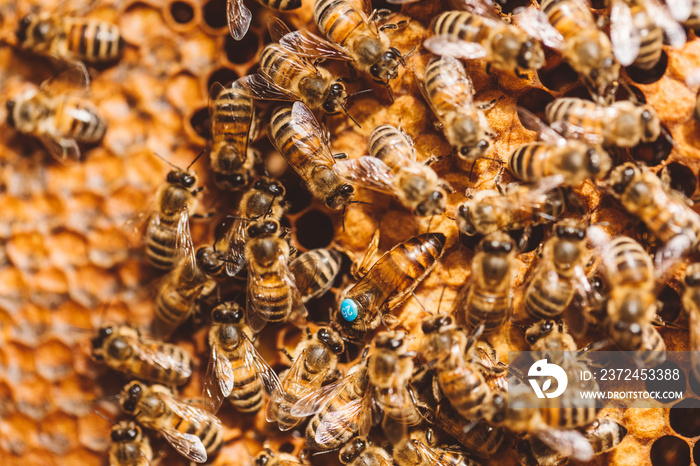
<point x="421" y="304"/>
<point x="106" y="398"/>
<point x="388" y="88"/>
<point x="195" y="159"/>
<point x="361" y="202"/>
<point x="363" y="91"/>
<point x="442" y="293"/>
<point x="167" y="161"/>
<point x="349" y="116"/>
<point x="99" y="413"/>
<point x="342" y="217"/>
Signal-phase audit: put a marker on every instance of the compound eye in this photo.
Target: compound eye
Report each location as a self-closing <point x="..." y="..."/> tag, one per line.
<point x="347" y="189"/>
<point x="464" y="151"/>
<point x="135" y="391"/>
<point x="115" y="436"/>
<point x="173" y="177"/>
<point x="188" y="181"/>
<point x="217" y="315"/>
<point x="276" y="189"/>
<point x="374" y="70"/>
<point x="328" y="107"/>
<point x="531" y="339"/>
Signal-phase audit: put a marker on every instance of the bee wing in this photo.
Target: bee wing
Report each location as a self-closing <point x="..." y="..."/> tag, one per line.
<point x="263" y="88"/>
<point x="663" y="18"/>
<point x="483" y="8"/>
<point x="454" y="48"/>
<point x="187" y="445"/>
<point x="303" y="116"/>
<point x="184" y="244"/>
<point x="74" y="77"/>
<point x="297" y="314"/>
<point x="544" y="132"/>
<point x="152" y="356"/>
<point x="625" y="37"/>
<point x="571" y="443"/>
<point x="307" y="44"/>
<point x="65" y="150"/>
<point x="668" y="255"/>
<point x="218" y="381"/>
<point x="235" y="254"/>
<point x="314" y="401"/>
<point x="239" y="17"/>
<point x="429" y="455"/>
<point x="254" y="315"/>
<point x="255" y="362"/>
<point x="680" y="9"/>
<point x="367" y="171"/>
<point x="336" y="423"/>
<point x="535" y="23"/>
<point x="314" y="263"/>
<point x="455" y="80"/>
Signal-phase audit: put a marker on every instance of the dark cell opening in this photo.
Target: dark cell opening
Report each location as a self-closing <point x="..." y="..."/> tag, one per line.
<point x="320" y="309"/>
<point x="685" y="418"/>
<point x="623" y="93"/>
<point x="533" y="241"/>
<point x="653" y="153"/>
<point x="535" y="100"/>
<point x="508" y="6"/>
<point x="663" y="386"/>
<point x="241" y="51"/>
<point x="298" y="196"/>
<point x="181" y="12"/>
<point x="215" y="13"/>
<point x="670" y="304"/>
<point x="200" y="123"/>
<point x="469" y="242"/>
<point x="600" y="4"/>
<point x="314" y="229"/>
<point x="579" y="92"/>
<point x="286" y="447"/>
<point x="696" y="452"/>
<point x="285" y="223"/>
<point x="223" y="76"/>
<point x="680" y="178"/>
<point x="670" y="451"/>
<point x="384" y="5"/>
<point x="641" y="76"/>
<point x="558" y="77"/>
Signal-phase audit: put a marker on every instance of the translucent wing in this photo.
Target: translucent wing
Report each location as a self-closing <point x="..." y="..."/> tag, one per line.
<point x="256" y="363"/>
<point x="571" y="443"/>
<point x="235" y="254"/>
<point x="188" y="445"/>
<point x="65" y="150"/>
<point x="662" y="18"/>
<point x="429" y="455"/>
<point x="367" y="171"/>
<point x="239" y="17"/>
<point x="301" y="115"/>
<point x="314" y="401"/>
<point x="218" y="381"/>
<point x="75" y="77"/>
<point x="297" y="313"/>
<point x="357" y="412"/>
<point x="153" y="357"/>
<point x="184" y="245"/>
<point x="264" y="89"/>
<point x="254" y="312"/>
<point x="454" y="48"/>
<point x="232" y="118"/>
<point x="545" y="133"/>
<point x="307" y="44"/>
<point x="625" y="37"/>
<point x="277" y="28"/>
<point x="312" y="265"/>
<point x="535" y="23"/>
<point x="671" y="253"/>
<point x="484" y="8"/>
<point x="680" y="9"/>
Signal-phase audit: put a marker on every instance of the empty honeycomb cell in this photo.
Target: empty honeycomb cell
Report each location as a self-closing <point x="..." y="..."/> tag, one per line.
<point x="661" y="386"/>
<point x="535" y="100"/>
<point x="623" y="93"/>
<point x="534" y="238"/>
<point x="670" y="451"/>
<point x="509" y="6"/>
<point x="180" y="90"/>
<point x="223" y="76"/>
<point x="27" y="251"/>
<point x="696" y="452"/>
<point x="214" y="12"/>
<point x="679" y="177"/>
<point x="58" y="433"/>
<point x="182" y="15"/>
<point x="558" y="77"/>
<point x="685" y="418"/>
<point x="241" y="51"/>
<point x="102" y="172"/>
<point x="653" y="153"/>
<point x="13" y="290"/>
<point x="66" y="248"/>
<point x="17" y="434"/>
<point x="198" y="52"/>
<point x="140" y="23"/>
<point x="297" y="195"/>
<point x="652" y="75"/>
<point x="54" y="360"/>
<point x="88" y="283"/>
<point x="107" y="246"/>
<point x="200" y="124"/>
<point x="670" y="306"/>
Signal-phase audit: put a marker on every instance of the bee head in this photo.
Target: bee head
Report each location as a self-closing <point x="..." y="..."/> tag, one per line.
<point x="264" y="228"/>
<point x="433" y="205"/>
<point x="622" y="176"/>
<point x="263" y="458"/>
<point x="352" y="450"/>
<point x="436" y="323"/>
<point x="130" y="396"/>
<point x="337" y="95"/>
<point x="227" y="313"/>
<point x="182" y="178"/>
<point x="341" y="198"/>
<point x="650" y="123"/>
<point x="387" y="67"/>
<point x="128" y="432"/>
<point x="464" y="220"/>
<point x="496" y="243"/>
<point x="10" y="106"/>
<point x="23" y="28"/>
<point x="97" y="342"/>
<point x="531" y="55"/>
<point x="209" y="260"/>
<point x="597" y="161"/>
<point x="389" y="340"/>
<point x="331" y="339"/>
<point x="539" y="330"/>
<point x="692" y="275"/>
<point x="230" y="181"/>
<point x="570" y="231"/>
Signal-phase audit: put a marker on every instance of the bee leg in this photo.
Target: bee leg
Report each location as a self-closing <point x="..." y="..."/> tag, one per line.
<point x="489" y="71"/>
<point x="203" y="216"/>
<point x="340" y="156"/>
<point x="486" y="106"/>
<point x="287" y="355"/>
<point x="521" y="74"/>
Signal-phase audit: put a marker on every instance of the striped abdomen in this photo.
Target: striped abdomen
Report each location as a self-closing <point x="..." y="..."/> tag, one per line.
<point x="465" y="388"/>
<point x="231" y="117"/>
<point x="567" y="16"/>
<point x="390" y="146"/>
<point x="173" y="366"/>
<point x="455" y="95"/>
<point x="652" y="350"/>
<point x="487" y="305"/>
<point x="340" y="431"/>
<point x="88" y="40"/>
<point x="292" y="387"/>
<point x="546" y="298"/>
<point x="633" y="266"/>
<point x="339" y="21"/>
<point x="561" y="413"/>
<point x="461" y="25"/>
<point x="693" y="21"/>
<point x="161" y="242"/>
<point x="247" y="392"/>
<point x="78" y="119"/>
<point x="281" y="5"/>
<point x="652" y="37"/>
<point x="176" y="298"/>
<point x="532" y="162"/>
<point x="271" y="294"/>
<point x="314" y="272"/>
<point x="282" y="67"/>
<point x="578" y="113"/>
<point x="401" y="412"/>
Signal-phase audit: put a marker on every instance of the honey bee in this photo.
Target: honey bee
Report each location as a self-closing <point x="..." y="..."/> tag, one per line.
<point x="515" y="207"/>
<point x="361" y="452"/>
<point x="685" y="11"/>
<point x="58" y="116"/>
<point x="691" y="304"/>
<point x="390" y="369"/>
<point x="622" y="124"/>
<point x="272" y="295"/>
<point x="575" y="161"/>
<point x="665" y="212"/>
<point x="387" y="284"/>
<point x="314" y="272"/>
<point x="341" y="410"/>
<point x="124" y="350"/>
<point x="483" y="34"/>
<point x="393" y="169"/>
<point x="286" y="76"/>
<point x="637" y="29"/>
<point x="231" y="114"/>
<point x="569" y="26"/>
<point x="236" y="370"/>
<point x="632" y="305"/>
<point x="487" y="299"/>
<point x="421" y="449"/>
<point x="239" y="16"/>
<point x="175" y="300"/>
<point x="450" y="93"/>
<point x="67" y="36"/>
<point x="547" y="336"/>
<point x="314" y="363"/>
<point x="129" y="446"/>
<point x="193" y="432"/>
<point x="560" y="274"/>
<point x="297" y="135"/>
<point x="268" y="457"/>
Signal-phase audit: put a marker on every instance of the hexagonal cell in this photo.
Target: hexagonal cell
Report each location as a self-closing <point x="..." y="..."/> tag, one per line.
<point x="223" y="75"/>
<point x="58" y="433"/>
<point x="685" y="418"/>
<point x="670" y="304"/>
<point x="214" y="16"/>
<point x="653" y="153"/>
<point x="650" y="76"/>
<point x="241" y="51"/>
<point x="670" y="451"/>
<point x="200" y="124"/>
<point x="679" y="177"/>
<point x="54" y="360"/>
<point x="535" y="100"/>
<point x="182" y="12"/>
<point x="314" y="229"/>
<point x="558" y="77"/>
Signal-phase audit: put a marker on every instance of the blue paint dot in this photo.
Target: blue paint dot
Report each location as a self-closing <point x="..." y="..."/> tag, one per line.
<point x="348" y="309"/>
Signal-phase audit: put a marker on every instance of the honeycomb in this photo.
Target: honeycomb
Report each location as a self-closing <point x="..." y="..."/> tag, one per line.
<point x="67" y="264"/>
